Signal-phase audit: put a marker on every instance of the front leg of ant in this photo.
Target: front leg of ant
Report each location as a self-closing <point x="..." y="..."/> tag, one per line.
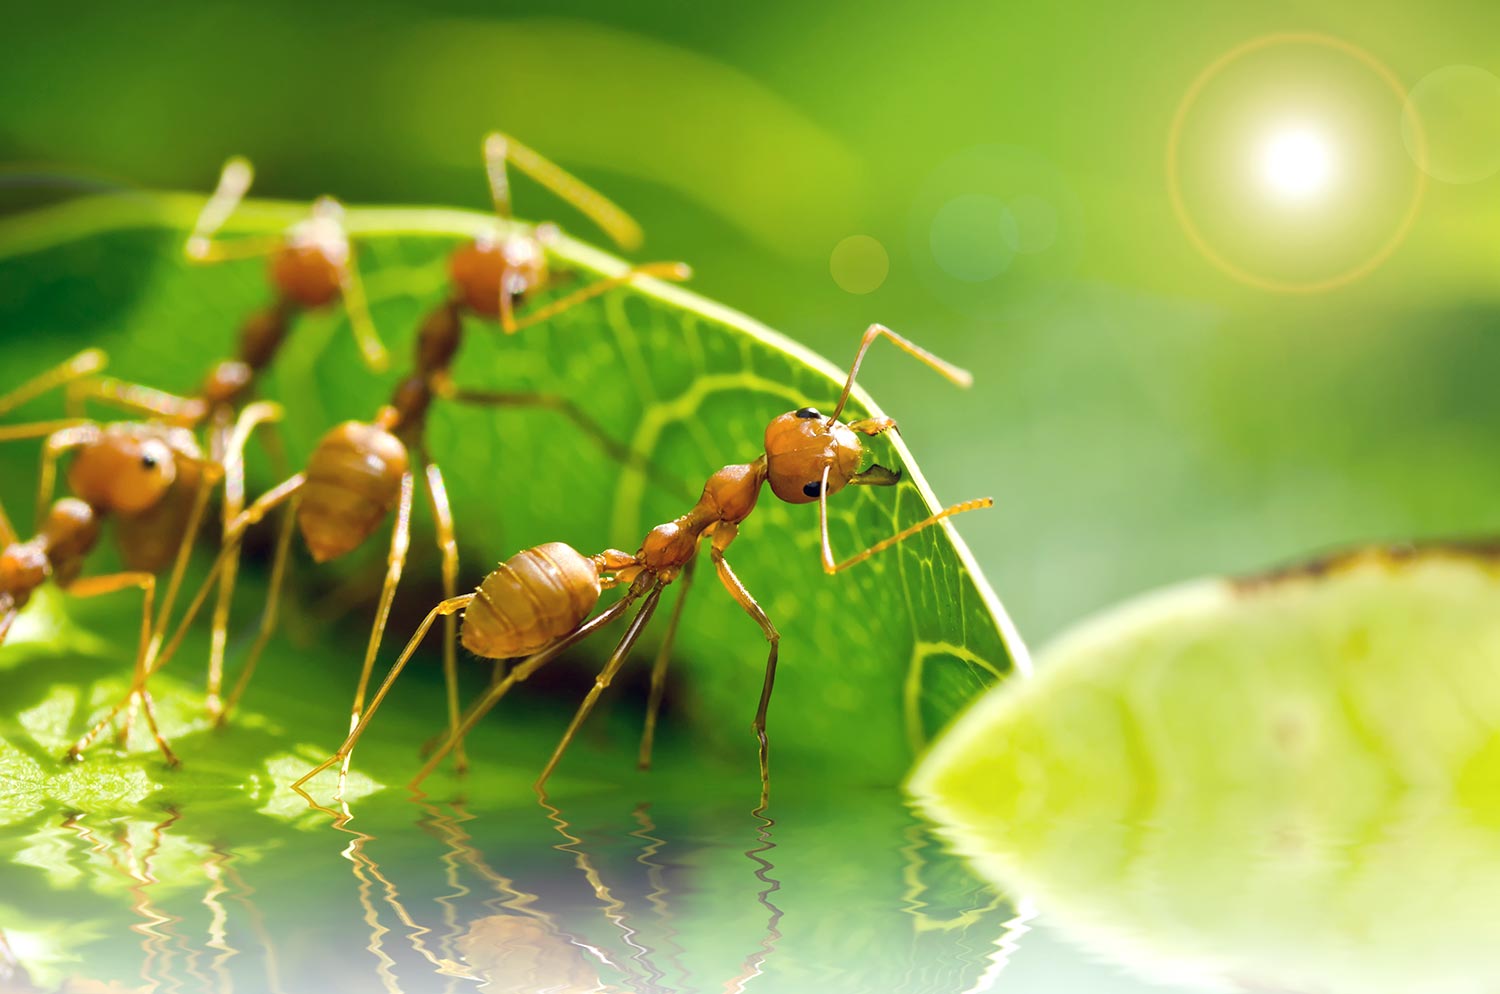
<point x="723" y="535"/>
<point x="831" y="566"/>
<point x="446" y="608"/>
<point x="395" y="562"/>
<point x="604" y="679"/>
<point x="659" y="668"/>
<point x="676" y="272"/>
<point x="442" y="516"/>
<point x="84" y="364"/>
<point x="500" y="149"/>
<point x="62" y="436"/>
<point x="96" y="586"/>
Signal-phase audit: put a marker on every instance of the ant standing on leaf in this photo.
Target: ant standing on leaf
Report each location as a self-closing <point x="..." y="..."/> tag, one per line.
<point x="151" y="478"/>
<point x="362" y="471"/>
<point x="537" y="603"/>
<point x="311" y="266"/>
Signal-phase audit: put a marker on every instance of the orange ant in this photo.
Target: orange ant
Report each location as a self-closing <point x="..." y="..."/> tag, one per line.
<point x="361" y="471"/>
<point x="311" y="265"/>
<point x="538" y="602"/>
<point x="151" y="478"/>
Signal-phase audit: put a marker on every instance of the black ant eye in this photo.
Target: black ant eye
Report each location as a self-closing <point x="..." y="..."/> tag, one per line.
<point x="148" y="461"/>
<point x="809" y="412"/>
<point x="813" y="489"/>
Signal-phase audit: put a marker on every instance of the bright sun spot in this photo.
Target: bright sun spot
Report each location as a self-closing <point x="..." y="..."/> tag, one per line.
<point x="1297" y="164"/>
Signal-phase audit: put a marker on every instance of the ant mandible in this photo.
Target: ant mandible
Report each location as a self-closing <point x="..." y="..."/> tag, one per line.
<point x="537" y="603"/>
<point x="151" y="478"/>
<point x="312" y="264"/>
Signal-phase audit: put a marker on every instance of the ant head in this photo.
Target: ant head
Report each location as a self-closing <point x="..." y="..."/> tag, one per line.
<point x="311" y="266"/>
<point x="513" y="263"/>
<point x="799" y="445"/>
<point x="128" y="468"/>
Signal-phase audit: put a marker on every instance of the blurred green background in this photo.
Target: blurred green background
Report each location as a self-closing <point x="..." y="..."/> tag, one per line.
<point x="1139" y="414"/>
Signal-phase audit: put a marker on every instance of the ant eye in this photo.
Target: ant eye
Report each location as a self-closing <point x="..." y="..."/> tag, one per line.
<point x="813" y="489"/>
<point x="148" y="461"/>
<point x="809" y="412"/>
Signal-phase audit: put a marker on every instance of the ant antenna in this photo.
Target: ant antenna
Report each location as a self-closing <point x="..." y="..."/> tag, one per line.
<point x="958" y="376"/>
<point x="500" y="148"/>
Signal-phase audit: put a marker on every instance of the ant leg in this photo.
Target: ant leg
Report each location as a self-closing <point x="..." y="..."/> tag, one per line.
<point x="95" y="586"/>
<point x="7" y="618"/>
<point x="269" y="614"/>
<point x="8" y="535"/>
<point x="66" y="435"/>
<point x="229" y="449"/>
<point x="830" y="566"/>
<point x="603" y="680"/>
<point x="442" y="516"/>
<point x="445" y="608"/>
<point x="234" y="183"/>
<point x="961" y="377"/>
<point x="500" y="148"/>
<point x="519" y="672"/>
<point x="357" y="309"/>
<point x="395" y="562"/>
<point x="659" y="668"/>
<point x="136" y="399"/>
<point x="263" y="505"/>
<point x="85" y="363"/>
<point x="677" y="272"/>
<point x="723" y="535"/>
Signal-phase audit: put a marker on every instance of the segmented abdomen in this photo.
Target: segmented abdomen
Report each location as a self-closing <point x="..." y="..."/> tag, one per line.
<point x="530" y="600"/>
<point x="353" y="482"/>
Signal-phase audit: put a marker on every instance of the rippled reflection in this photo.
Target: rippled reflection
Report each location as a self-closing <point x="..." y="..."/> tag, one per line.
<point x="600" y="894"/>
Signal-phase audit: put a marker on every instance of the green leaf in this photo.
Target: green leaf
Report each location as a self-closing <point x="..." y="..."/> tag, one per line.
<point x="872" y="661"/>
<point x="1284" y="783"/>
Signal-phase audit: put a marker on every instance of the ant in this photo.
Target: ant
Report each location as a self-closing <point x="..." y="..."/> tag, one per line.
<point x="537" y="603"/>
<point x="361" y="471"/>
<point x="311" y="265"/>
<point x="151" y="478"/>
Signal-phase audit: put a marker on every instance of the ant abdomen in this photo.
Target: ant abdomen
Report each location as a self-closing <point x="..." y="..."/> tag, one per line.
<point x="532" y="599"/>
<point x="353" y="482"/>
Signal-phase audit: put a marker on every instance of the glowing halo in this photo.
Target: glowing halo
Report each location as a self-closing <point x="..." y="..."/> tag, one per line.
<point x="1185" y="217"/>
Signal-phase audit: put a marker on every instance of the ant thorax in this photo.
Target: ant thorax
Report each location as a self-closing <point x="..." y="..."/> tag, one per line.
<point x="800" y="445"/>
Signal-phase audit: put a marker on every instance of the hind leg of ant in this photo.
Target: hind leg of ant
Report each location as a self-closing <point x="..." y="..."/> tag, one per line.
<point x="84" y="364"/>
<point x="830" y="565"/>
<point x="676" y="272"/>
<point x="603" y="680"/>
<point x="442" y="516"/>
<point x="517" y="673"/>
<point x="722" y="537"/>
<point x="96" y="586"/>
<point x="269" y="615"/>
<point x="501" y="149"/>
<point x="446" y="608"/>
<point x="395" y="563"/>
<point x="659" y="668"/>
